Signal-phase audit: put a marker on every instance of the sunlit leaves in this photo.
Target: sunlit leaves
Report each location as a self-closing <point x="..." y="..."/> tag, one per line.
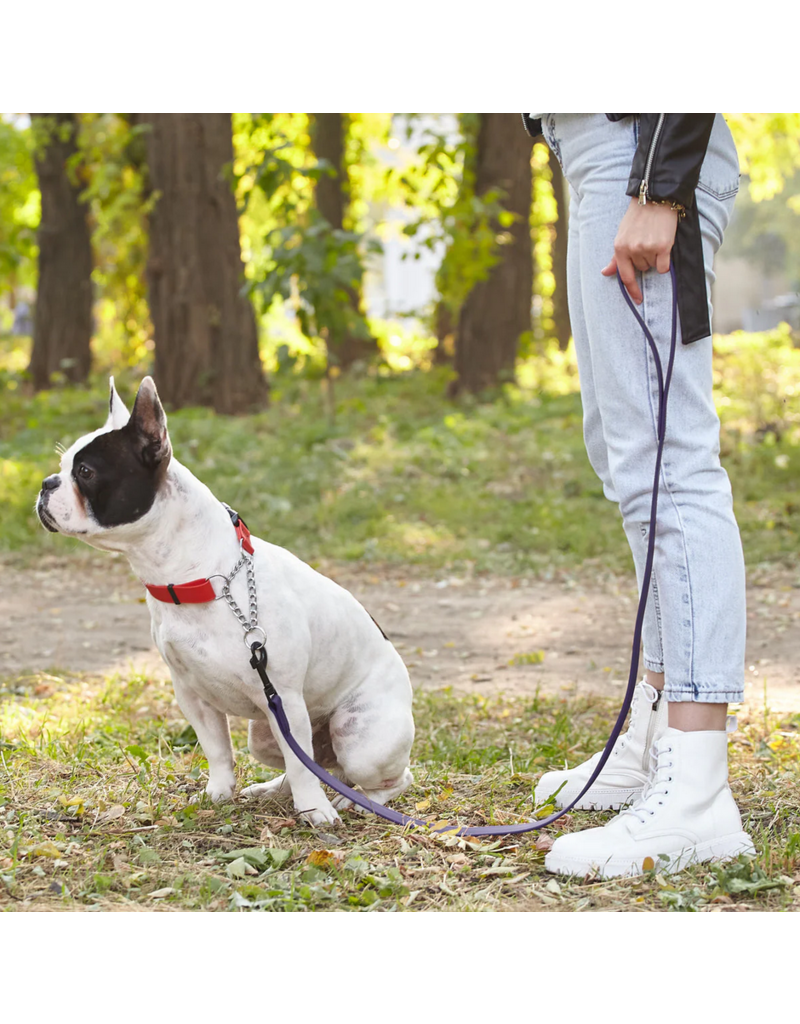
<point x="19" y="205"/>
<point x="769" y="150"/>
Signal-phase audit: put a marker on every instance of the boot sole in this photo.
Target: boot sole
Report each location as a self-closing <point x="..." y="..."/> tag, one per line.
<point x="723" y="848"/>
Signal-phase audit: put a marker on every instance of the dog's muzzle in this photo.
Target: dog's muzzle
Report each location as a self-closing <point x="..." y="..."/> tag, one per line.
<point x="49" y="484"/>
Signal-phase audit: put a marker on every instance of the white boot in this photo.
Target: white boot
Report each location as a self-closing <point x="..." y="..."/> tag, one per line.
<point x="687" y="815"/>
<point x="623" y="778"/>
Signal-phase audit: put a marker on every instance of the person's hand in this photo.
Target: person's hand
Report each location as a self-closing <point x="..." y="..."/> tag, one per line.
<point x="644" y="241"/>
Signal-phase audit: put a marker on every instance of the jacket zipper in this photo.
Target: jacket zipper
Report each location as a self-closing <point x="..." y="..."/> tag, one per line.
<point x="651" y="726"/>
<point x="643" y="188"/>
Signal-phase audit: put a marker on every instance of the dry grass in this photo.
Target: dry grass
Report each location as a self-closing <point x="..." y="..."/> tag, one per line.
<point x="101" y="808"/>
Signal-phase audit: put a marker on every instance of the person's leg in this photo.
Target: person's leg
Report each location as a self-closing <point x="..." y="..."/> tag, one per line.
<point x="625" y="774"/>
<point x="699" y="569"/>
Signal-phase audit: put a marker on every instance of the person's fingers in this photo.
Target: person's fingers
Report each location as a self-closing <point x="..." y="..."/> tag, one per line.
<point x="611" y="269"/>
<point x="627" y="272"/>
<point x="662" y="262"/>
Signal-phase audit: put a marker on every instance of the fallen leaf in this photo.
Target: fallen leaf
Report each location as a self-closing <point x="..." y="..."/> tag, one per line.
<point x="159" y="894"/>
<point x="115" y="811"/>
<point x="73" y="801"/>
<point x="423" y="805"/>
<point x="553" y="887"/>
<point x="325" y="858"/>
<point x="45" y="849"/>
<point x="239" y="868"/>
<point x="648" y="864"/>
<point x="544" y="843"/>
<point x="278" y="823"/>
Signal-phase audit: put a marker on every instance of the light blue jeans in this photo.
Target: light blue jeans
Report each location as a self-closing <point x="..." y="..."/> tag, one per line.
<point x="695" y="623"/>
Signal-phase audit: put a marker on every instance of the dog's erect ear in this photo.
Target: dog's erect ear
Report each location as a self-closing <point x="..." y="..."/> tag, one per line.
<point x="148" y="423"/>
<point x="118" y="415"/>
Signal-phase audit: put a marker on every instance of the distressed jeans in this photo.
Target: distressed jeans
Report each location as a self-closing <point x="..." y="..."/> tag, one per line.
<point x="695" y="621"/>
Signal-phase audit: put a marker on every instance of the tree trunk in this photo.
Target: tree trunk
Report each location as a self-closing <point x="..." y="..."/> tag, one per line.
<point x="498" y="310"/>
<point x="561" y="323"/>
<point x="328" y="134"/>
<point x="445" y="329"/>
<point x="63" y="323"/>
<point x="205" y="329"/>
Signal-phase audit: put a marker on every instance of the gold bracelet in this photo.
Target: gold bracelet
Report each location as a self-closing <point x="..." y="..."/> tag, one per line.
<point x="679" y="208"/>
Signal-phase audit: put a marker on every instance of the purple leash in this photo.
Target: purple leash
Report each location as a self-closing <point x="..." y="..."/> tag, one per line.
<point x="259" y="653"/>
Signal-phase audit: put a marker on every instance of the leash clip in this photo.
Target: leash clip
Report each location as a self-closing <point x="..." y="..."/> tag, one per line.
<point x="259" y="663"/>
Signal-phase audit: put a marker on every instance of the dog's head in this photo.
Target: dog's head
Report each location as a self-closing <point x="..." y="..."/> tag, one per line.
<point x="110" y="478"/>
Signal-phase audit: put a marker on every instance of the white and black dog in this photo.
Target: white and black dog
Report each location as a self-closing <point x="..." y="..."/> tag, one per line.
<point x="344" y="687"/>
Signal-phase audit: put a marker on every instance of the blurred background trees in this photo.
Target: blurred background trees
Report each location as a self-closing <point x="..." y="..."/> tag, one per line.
<point x="218" y="250"/>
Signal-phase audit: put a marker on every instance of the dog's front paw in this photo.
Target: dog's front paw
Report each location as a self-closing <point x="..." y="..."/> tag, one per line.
<point x="322" y="814"/>
<point x="221" y="789"/>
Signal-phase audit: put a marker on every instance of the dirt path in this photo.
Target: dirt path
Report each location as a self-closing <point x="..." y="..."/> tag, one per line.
<point x="568" y="635"/>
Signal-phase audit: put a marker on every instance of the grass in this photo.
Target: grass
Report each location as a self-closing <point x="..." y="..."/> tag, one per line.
<point x="102" y="808"/>
<point x="400" y="474"/>
<point x="101" y="780"/>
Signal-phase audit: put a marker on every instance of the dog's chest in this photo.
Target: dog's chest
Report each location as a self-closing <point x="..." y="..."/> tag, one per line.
<point x="212" y="661"/>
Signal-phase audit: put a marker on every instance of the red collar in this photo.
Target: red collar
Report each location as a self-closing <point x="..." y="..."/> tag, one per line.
<point x="199" y="591"/>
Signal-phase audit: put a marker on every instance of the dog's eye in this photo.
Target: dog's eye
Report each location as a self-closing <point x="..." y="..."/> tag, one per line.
<point x="85" y="473"/>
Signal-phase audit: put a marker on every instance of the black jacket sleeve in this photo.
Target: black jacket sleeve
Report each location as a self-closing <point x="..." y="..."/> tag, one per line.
<point x="532" y="125"/>
<point x="669" y="155"/>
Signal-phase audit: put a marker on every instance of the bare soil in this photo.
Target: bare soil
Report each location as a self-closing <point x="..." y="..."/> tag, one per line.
<point x="569" y="635"/>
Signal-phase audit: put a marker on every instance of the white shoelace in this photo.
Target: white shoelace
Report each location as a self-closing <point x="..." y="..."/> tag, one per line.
<point x="655" y="788"/>
<point x="651" y="696"/>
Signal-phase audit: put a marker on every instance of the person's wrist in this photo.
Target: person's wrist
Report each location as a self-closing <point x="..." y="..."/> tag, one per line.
<point x="678" y="208"/>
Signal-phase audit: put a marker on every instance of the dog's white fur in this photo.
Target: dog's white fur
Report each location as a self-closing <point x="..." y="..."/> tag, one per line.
<point x="327" y="659"/>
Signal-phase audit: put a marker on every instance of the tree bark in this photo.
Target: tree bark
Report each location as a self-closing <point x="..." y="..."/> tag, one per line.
<point x="328" y="134"/>
<point x="63" y="323"/>
<point x="498" y="310"/>
<point x="561" y="324"/>
<point x="205" y="329"/>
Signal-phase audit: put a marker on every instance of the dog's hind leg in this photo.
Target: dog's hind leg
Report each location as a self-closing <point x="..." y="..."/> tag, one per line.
<point x="264" y="748"/>
<point x="372" y="737"/>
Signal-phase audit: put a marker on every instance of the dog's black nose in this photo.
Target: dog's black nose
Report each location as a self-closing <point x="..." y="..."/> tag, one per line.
<point x="51" y="482"/>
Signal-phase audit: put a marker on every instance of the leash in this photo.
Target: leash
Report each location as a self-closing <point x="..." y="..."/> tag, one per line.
<point x="258" y="649"/>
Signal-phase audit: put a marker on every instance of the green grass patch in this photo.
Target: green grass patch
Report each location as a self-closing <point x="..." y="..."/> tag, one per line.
<point x="400" y="474"/>
<point x="102" y="807"/>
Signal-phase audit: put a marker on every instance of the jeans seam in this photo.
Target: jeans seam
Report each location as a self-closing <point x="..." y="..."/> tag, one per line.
<point x="549" y="133"/>
<point x="722" y="196"/>
<point x="673" y="502"/>
<point x="656" y="607"/>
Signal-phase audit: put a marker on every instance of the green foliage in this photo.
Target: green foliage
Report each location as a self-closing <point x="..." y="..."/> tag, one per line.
<point x="439" y="187"/>
<point x="112" y="163"/>
<point x="302" y="260"/>
<point x="769" y="150"/>
<point x="19" y="206"/>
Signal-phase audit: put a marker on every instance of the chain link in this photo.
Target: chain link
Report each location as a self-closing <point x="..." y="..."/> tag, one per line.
<point x="225" y="593"/>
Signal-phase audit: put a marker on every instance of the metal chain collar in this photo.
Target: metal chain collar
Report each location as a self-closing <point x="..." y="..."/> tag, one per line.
<point x="249" y="626"/>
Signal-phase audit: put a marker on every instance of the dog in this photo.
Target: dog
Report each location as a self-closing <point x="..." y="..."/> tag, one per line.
<point x="344" y="687"/>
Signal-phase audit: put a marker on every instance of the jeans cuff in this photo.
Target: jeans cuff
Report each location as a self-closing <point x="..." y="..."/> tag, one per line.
<point x="703" y="695"/>
<point x="653" y="666"/>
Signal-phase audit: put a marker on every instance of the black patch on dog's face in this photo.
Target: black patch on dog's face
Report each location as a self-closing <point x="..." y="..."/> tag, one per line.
<point x="116" y="478"/>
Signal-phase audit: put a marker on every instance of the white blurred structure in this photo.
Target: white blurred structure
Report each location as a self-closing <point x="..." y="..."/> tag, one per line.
<point x="400" y="282"/>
